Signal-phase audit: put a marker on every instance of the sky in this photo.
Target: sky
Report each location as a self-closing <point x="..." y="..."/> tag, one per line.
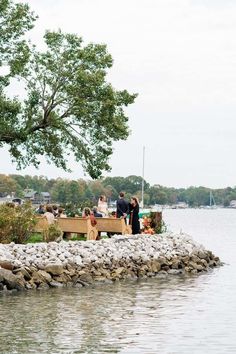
<point x="180" y="57"/>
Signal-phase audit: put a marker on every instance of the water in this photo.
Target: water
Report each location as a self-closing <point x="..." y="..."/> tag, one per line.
<point x="178" y="315"/>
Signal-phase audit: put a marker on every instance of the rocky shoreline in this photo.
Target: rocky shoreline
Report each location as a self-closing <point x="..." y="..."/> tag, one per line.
<point x="78" y="263"/>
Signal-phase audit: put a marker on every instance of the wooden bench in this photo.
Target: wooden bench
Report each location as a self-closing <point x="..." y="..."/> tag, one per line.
<point x="78" y="225"/>
<point x="113" y="225"/>
<point x="73" y="225"/>
<point x="41" y="224"/>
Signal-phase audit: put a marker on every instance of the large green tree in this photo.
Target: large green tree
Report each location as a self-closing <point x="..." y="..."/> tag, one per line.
<point x="70" y="106"/>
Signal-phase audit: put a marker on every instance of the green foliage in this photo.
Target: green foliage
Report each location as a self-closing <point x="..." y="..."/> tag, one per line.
<point x="7" y="185"/>
<point x="161" y="227"/>
<point x="74" y="194"/>
<point x="16" y="223"/>
<point x="15" y="21"/>
<point x="70" y="107"/>
<point x="52" y="233"/>
<point x="35" y="238"/>
<point x="76" y="237"/>
<point x="157" y="223"/>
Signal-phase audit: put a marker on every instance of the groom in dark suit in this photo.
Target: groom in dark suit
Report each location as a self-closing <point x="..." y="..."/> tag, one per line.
<point x="122" y="207"/>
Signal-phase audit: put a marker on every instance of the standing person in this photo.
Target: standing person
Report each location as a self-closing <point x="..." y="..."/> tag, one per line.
<point x="102" y="205"/>
<point x="122" y="207"/>
<point x="87" y="213"/>
<point x="134" y="217"/>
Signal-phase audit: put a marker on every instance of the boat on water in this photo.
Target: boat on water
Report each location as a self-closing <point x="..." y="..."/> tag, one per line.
<point x="212" y="203"/>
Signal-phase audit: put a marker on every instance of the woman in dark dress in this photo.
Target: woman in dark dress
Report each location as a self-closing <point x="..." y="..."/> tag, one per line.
<point x="134" y="217"/>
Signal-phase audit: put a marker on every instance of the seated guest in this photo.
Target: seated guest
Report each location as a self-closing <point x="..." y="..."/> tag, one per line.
<point x="86" y="212"/>
<point x="49" y="214"/>
<point x="113" y="214"/>
<point x="61" y="213"/>
<point x="96" y="213"/>
<point x="40" y="210"/>
<point x="55" y="210"/>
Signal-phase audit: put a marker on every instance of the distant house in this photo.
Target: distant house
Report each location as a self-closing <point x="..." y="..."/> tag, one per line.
<point x="46" y="197"/>
<point x="9" y="199"/>
<point x="232" y="204"/>
<point x="37" y="197"/>
<point x="182" y="205"/>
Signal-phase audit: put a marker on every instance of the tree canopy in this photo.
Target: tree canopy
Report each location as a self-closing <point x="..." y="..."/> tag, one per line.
<point x="85" y="192"/>
<point x="70" y="106"/>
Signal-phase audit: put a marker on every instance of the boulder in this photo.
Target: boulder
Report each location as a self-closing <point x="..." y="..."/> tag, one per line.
<point x="37" y="278"/>
<point x="46" y="276"/>
<point x="43" y="286"/>
<point x="24" y="272"/>
<point x="6" y="265"/>
<point x="63" y="278"/>
<point x="54" y="268"/>
<point x="11" y="280"/>
<point x="155" y="267"/>
<point x="85" y="278"/>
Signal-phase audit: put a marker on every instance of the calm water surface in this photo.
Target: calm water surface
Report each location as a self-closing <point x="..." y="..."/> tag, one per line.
<point x="177" y="315"/>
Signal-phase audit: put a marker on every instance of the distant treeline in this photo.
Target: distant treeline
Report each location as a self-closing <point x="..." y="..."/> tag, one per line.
<point x="79" y="191"/>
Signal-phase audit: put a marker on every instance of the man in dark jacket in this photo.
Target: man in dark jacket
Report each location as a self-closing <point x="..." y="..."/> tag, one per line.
<point x="122" y="207"/>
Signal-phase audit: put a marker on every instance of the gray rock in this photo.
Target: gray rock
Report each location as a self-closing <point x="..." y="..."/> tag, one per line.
<point x="6" y="265"/>
<point x="24" y="272"/>
<point x="175" y="271"/>
<point x="55" y="284"/>
<point x="43" y="286"/>
<point x="54" y="268"/>
<point x="78" y="285"/>
<point x="10" y="280"/>
<point x="45" y="275"/>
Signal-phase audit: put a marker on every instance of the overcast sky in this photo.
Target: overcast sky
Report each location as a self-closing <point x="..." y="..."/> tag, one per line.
<point x="180" y="57"/>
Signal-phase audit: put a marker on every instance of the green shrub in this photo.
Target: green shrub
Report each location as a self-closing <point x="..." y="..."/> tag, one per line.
<point x="16" y="222"/>
<point x="157" y="223"/>
<point x="52" y="233"/>
<point x="161" y="228"/>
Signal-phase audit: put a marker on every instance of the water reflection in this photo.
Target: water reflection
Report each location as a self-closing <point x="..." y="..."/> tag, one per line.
<point x="105" y="319"/>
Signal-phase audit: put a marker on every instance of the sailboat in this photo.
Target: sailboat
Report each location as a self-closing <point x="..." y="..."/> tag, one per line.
<point x="212" y="201"/>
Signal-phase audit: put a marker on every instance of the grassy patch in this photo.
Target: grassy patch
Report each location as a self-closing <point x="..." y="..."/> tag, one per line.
<point x="35" y="238"/>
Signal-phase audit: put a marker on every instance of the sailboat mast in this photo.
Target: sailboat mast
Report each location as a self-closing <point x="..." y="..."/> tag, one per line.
<point x="143" y="177"/>
<point x="212" y="200"/>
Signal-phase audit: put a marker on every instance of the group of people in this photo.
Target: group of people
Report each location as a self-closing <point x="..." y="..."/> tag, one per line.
<point x="124" y="209"/>
<point x="51" y="212"/>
